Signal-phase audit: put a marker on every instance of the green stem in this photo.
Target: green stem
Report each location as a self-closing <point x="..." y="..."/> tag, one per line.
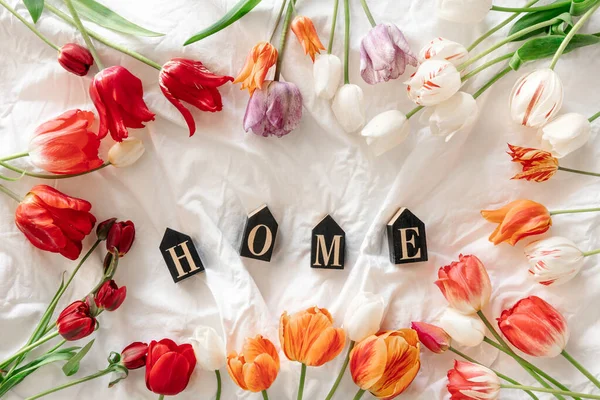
<point x="532" y="9"/>
<point x="72" y="383"/>
<point x="342" y="371"/>
<point x="265" y="395"/>
<point x="283" y="40"/>
<point x="509" y="39"/>
<point x="336" y="4"/>
<point x="581" y="369"/>
<point x="591" y="253"/>
<point x="553" y="391"/>
<point x="489" y="83"/>
<point x="10" y="193"/>
<point x="502" y="376"/>
<point x="577" y="171"/>
<point x="572" y="32"/>
<point x="86" y="36"/>
<point x="49" y="176"/>
<point x="218" y="374"/>
<point x="29" y="25"/>
<point x="281" y="9"/>
<point x="14" y="156"/>
<point x="594" y="117"/>
<point x="346" y="42"/>
<point x="365" y="7"/>
<point x="580" y="210"/>
<point x="498" y="27"/>
<point x="486" y="65"/>
<point x="503" y="343"/>
<point x="301" y="384"/>
<point x="359" y="394"/>
<point x="27" y="348"/>
<point x="161" y="397"/>
<point x="414" y="111"/>
<point x="65" y="17"/>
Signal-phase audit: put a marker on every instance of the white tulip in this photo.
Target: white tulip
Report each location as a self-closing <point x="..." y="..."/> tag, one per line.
<point x="349" y="107"/>
<point x="444" y="49"/>
<point x="386" y="131"/>
<point x="209" y="348"/>
<point x="125" y="153"/>
<point x="434" y="82"/>
<point x="536" y="98"/>
<point x="364" y="315"/>
<point x="554" y="261"/>
<point x="327" y="72"/>
<point x="466" y="11"/>
<point x="467" y="330"/>
<point x="451" y="116"/>
<point x="565" y="134"/>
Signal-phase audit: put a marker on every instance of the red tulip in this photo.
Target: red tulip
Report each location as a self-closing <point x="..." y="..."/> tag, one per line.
<point x="535" y="327"/>
<point x="472" y="381"/>
<point x="65" y="144"/>
<point x="134" y="355"/>
<point x="120" y="237"/>
<point x="169" y="367"/>
<point x="53" y="221"/>
<point x="434" y="338"/>
<point x="110" y="296"/>
<point x="465" y="284"/>
<point x="75" y="59"/>
<point x="118" y="97"/>
<point x="190" y="81"/>
<point x="103" y="228"/>
<point x="76" y="321"/>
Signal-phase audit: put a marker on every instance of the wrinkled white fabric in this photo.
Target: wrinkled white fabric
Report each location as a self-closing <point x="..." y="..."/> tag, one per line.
<point x="205" y="186"/>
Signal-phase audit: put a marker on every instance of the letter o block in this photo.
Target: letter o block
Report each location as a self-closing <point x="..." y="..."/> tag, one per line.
<point x="406" y="238"/>
<point x="259" y="236"/>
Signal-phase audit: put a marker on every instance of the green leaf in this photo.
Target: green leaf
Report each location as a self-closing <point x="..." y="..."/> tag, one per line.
<point x="104" y="16"/>
<point x="580" y="7"/>
<point x="545" y="47"/>
<point x="72" y="366"/>
<point x="35" y="8"/>
<point x="238" y="11"/>
<point x="534" y="18"/>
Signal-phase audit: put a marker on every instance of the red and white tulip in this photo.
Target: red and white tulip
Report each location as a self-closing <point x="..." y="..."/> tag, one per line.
<point x="472" y="381"/>
<point x="444" y="49"/>
<point x="554" y="261"/>
<point x="536" y="98"/>
<point x="434" y="82"/>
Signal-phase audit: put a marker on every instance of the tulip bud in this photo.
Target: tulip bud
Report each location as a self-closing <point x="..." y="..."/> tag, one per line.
<point x="554" y="261"/>
<point x="110" y="296"/>
<point x="327" y="72"/>
<point x="434" y="82"/>
<point x="104" y="227"/>
<point x="76" y="321"/>
<point x="349" y="107"/>
<point x="305" y="31"/>
<point x="467" y="330"/>
<point x="364" y="315"/>
<point x="125" y="153"/>
<point x="451" y="116"/>
<point x="432" y="337"/>
<point x="134" y="355"/>
<point x="444" y="49"/>
<point x="75" y="58"/>
<point x="465" y="11"/>
<point x="536" y="98"/>
<point x="565" y="134"/>
<point x="386" y="131"/>
<point x="121" y="237"/>
<point x="209" y="348"/>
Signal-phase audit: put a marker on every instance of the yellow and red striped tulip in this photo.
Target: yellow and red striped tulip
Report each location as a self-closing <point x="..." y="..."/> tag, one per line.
<point x="538" y="165"/>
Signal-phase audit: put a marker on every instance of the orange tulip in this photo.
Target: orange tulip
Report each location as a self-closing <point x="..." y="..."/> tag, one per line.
<point x="517" y="220"/>
<point x="257" y="367"/>
<point x="305" y="31"/>
<point x="386" y="364"/>
<point x="538" y="165"/>
<point x="310" y="338"/>
<point x="262" y="57"/>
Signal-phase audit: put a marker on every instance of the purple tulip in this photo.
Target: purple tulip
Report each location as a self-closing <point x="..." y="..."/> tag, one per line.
<point x="384" y="53"/>
<point x="276" y="109"/>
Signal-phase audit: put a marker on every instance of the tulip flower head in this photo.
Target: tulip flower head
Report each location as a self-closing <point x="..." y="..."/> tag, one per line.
<point x="134" y="355"/>
<point x="386" y="364"/>
<point x="75" y="58"/>
<point x="434" y="82"/>
<point x="538" y="165"/>
<point x="535" y="327"/>
<point x="327" y="73"/>
<point x="261" y="58"/>
<point x="209" y="348"/>
<point x="110" y="296"/>
<point x="186" y="80"/>
<point x="125" y="153"/>
<point x="118" y="97"/>
<point x="468" y="330"/>
<point x="518" y="220"/>
<point x="364" y="315"/>
<point x="349" y="107"/>
<point x="464" y="11"/>
<point x="465" y="284"/>
<point x="53" y="221"/>
<point x="120" y="237"/>
<point x="310" y="338"/>
<point x="65" y="144"/>
<point x="305" y="31"/>
<point x="169" y="367"/>
<point x="384" y="54"/>
<point x="76" y="321"/>
<point x="472" y="381"/>
<point x="444" y="49"/>
<point x="256" y="368"/>
<point x="434" y="338"/>
<point x="386" y="131"/>
<point x="565" y="134"/>
<point x="554" y="261"/>
<point x="452" y="116"/>
<point x="536" y="98"/>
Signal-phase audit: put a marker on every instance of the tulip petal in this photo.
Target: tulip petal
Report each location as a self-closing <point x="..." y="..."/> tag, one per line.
<point x="368" y="361"/>
<point x="327" y="347"/>
<point x="235" y="367"/>
<point x="169" y="375"/>
<point x="260" y="374"/>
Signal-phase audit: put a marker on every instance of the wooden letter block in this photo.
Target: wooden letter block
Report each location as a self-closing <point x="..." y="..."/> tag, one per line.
<point x="406" y="238"/>
<point x="328" y="245"/>
<point x="259" y="235"/>
<point x="180" y="255"/>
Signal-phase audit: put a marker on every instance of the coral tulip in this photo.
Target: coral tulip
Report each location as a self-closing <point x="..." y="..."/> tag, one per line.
<point x="256" y="368"/>
<point x="472" y="381"/>
<point x="169" y="367"/>
<point x="434" y="82"/>
<point x="536" y="98"/>
<point x="110" y="296"/>
<point x="305" y="31"/>
<point x="75" y="58"/>
<point x="65" y="144"/>
<point x="134" y="355"/>
<point x="538" y="165"/>
<point x="554" y="261"/>
<point x="386" y="364"/>
<point x="53" y="221"/>
<point x="261" y="58"/>
<point x="76" y="321"/>
<point x="518" y="220"/>
<point x="434" y="338"/>
<point x="120" y="237"/>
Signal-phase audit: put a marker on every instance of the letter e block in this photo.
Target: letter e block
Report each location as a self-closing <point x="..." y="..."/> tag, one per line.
<point x="406" y="238"/>
<point x="259" y="235"/>
<point x="180" y="254"/>
<point x="328" y="247"/>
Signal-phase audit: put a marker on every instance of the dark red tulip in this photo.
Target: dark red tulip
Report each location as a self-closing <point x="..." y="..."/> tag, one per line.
<point x="110" y="296"/>
<point x="75" y="59"/>
<point x="169" y="367"/>
<point x="134" y="355"/>
<point x="120" y="237"/>
<point x="76" y="321"/>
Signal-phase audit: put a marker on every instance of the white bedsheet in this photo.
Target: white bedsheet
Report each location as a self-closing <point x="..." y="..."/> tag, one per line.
<point x="205" y="185"/>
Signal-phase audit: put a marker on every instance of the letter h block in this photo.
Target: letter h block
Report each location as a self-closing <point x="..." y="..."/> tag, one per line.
<point x="180" y="254"/>
<point x="406" y="238"/>
<point x="260" y="233"/>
